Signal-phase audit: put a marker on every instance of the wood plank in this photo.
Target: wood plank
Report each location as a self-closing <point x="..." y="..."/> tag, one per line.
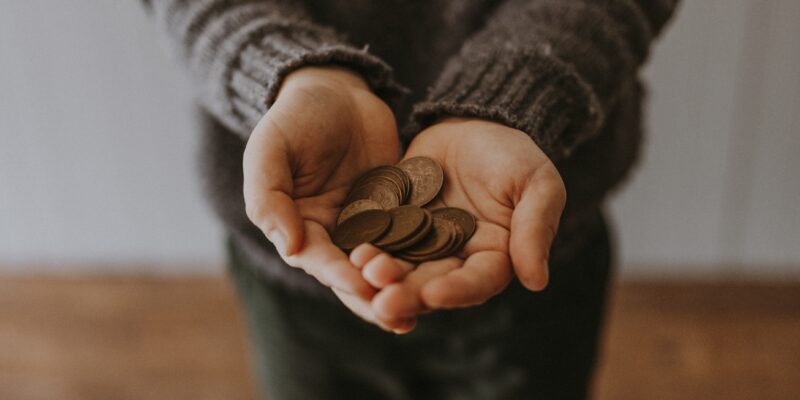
<point x="181" y="338"/>
<point x="121" y="338"/>
<point x="702" y="341"/>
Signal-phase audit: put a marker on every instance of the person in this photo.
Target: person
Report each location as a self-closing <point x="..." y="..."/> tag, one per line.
<point x="533" y="109"/>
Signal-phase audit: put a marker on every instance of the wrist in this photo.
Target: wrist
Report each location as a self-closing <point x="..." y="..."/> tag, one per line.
<point x="328" y="75"/>
<point x="474" y="121"/>
<point x="456" y="125"/>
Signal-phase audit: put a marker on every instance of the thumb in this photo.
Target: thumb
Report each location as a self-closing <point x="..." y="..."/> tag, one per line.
<point x="534" y="224"/>
<point x="268" y="188"/>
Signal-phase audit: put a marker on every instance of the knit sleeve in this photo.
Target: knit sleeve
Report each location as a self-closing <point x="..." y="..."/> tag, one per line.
<point x="550" y="68"/>
<point x="238" y="52"/>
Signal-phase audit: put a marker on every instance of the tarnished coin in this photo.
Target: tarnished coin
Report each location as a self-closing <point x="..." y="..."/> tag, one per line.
<point x="455" y="234"/>
<point x="461" y="217"/>
<point x="384" y="184"/>
<point x="363" y="227"/>
<point x="444" y="247"/>
<point x="438" y="239"/>
<point x="406" y="185"/>
<point x="377" y="171"/>
<point x="380" y="193"/>
<point x="395" y="176"/>
<point x="357" y="207"/>
<point x="417" y="236"/>
<point x="392" y="182"/>
<point x="385" y="176"/>
<point x="455" y="245"/>
<point x="406" y="221"/>
<point x="374" y="212"/>
<point x="426" y="177"/>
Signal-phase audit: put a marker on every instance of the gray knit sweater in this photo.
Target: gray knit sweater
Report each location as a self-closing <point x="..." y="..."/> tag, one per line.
<point x="563" y="71"/>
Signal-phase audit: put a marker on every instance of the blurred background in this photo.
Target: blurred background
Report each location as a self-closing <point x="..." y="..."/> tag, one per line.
<point x="110" y="259"/>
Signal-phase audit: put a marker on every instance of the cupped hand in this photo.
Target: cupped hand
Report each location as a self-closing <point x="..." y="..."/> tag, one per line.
<point x="324" y="130"/>
<point x="502" y="177"/>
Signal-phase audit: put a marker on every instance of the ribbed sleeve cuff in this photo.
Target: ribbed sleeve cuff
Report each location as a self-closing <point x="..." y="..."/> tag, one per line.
<point x="528" y="90"/>
<point x="264" y="62"/>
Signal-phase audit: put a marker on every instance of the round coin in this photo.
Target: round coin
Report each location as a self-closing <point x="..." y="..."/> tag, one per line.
<point x="406" y="221"/>
<point x="426" y="177"/>
<point x="421" y="232"/>
<point x="437" y="239"/>
<point x="379" y="170"/>
<point x="376" y="191"/>
<point x="357" y="207"/>
<point x="454" y="234"/>
<point x="455" y="245"/>
<point x="393" y="183"/>
<point x="363" y="227"/>
<point x="384" y="174"/>
<point x="406" y="181"/>
<point x="462" y="218"/>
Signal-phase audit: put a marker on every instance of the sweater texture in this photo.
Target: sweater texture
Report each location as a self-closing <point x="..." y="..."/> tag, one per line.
<point x="566" y="72"/>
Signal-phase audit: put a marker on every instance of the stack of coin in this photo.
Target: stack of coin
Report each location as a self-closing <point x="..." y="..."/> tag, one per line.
<point x="385" y="208"/>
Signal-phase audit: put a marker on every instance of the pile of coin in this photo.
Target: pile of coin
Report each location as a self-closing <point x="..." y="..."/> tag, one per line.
<point x="385" y="208"/>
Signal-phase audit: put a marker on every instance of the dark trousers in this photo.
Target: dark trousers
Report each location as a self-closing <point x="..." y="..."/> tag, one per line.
<point x="519" y="345"/>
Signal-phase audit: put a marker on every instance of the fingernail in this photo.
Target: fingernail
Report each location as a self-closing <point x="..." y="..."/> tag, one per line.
<point x="405" y="326"/>
<point x="279" y="240"/>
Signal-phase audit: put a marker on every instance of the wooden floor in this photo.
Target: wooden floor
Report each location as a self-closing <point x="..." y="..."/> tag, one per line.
<point x="146" y="338"/>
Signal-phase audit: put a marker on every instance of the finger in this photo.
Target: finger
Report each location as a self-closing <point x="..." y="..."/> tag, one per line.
<point x="321" y="259"/>
<point x="379" y="268"/>
<point x="361" y="255"/>
<point x="405" y="326"/>
<point x="534" y="224"/>
<point x="483" y="275"/>
<point x="384" y="269"/>
<point x="356" y="305"/>
<point x="397" y="301"/>
<point x="402" y="299"/>
<point x="268" y="187"/>
<point x="363" y="309"/>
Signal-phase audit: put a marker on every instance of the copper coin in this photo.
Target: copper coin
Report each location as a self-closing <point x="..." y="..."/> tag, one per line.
<point x="406" y="221"/>
<point x="363" y="227"/>
<point x="453" y="233"/>
<point x="392" y="182"/>
<point x="379" y="170"/>
<point x="381" y="184"/>
<point x="403" y="181"/>
<point x="437" y="239"/>
<point x="382" y="194"/>
<point x="364" y="178"/>
<point x="357" y="207"/>
<point x="382" y="174"/>
<point x="426" y="177"/>
<point x="417" y="236"/>
<point x="406" y="181"/>
<point x="454" y="246"/>
<point x="462" y="218"/>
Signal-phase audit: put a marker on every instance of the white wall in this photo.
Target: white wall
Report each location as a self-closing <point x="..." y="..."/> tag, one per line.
<point x="719" y="190"/>
<point x="97" y="144"/>
<point x="96" y="141"/>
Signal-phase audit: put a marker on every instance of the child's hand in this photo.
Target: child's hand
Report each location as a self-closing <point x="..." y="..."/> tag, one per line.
<point x="501" y="176"/>
<point x="324" y="130"/>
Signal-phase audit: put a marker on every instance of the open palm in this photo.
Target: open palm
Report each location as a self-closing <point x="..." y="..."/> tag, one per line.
<point x="502" y="177"/>
<point x="323" y="131"/>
